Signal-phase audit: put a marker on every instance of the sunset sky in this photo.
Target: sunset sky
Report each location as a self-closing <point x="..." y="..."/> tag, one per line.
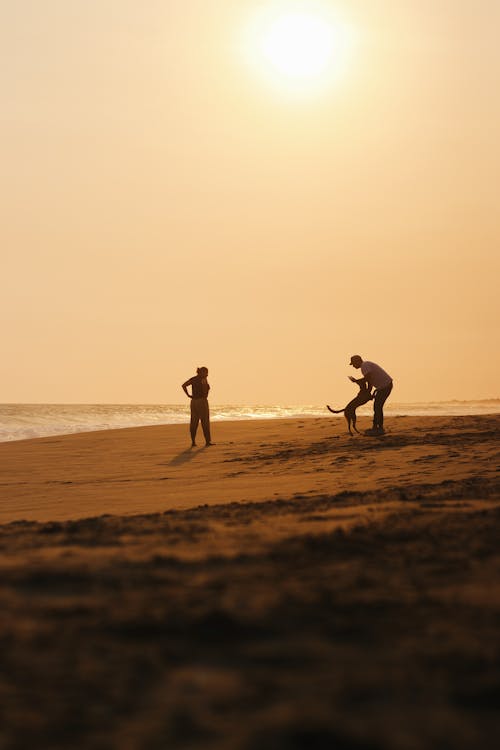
<point x="169" y="199"/>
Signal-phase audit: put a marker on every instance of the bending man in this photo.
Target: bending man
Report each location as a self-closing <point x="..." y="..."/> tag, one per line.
<point x="379" y="379"/>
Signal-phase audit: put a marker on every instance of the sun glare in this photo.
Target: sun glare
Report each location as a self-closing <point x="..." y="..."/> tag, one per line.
<point x="297" y="48"/>
<point x="298" y="45"/>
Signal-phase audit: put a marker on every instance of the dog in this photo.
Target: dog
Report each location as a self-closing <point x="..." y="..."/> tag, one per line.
<point x="349" y="411"/>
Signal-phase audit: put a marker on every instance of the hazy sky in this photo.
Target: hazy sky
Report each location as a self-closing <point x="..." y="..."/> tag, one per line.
<point x="164" y="205"/>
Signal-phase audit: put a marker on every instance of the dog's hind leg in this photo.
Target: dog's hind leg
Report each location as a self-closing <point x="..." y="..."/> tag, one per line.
<point x="348" y="420"/>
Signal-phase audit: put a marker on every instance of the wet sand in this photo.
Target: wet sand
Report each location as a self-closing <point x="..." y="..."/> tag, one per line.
<point x="290" y="587"/>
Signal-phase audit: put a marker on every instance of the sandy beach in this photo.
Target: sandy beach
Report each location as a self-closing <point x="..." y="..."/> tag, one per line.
<point x="289" y="587"/>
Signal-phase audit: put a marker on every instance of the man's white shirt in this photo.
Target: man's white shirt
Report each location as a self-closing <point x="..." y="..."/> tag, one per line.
<point x="379" y="378"/>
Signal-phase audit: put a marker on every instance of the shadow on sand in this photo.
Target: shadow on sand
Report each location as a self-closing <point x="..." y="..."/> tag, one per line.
<point x="185" y="456"/>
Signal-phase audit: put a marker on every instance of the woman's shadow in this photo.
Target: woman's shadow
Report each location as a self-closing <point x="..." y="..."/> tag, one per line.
<point x="185" y="456"/>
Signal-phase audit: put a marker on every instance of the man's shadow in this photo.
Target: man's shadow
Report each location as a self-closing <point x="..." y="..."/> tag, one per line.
<point x="186" y="456"/>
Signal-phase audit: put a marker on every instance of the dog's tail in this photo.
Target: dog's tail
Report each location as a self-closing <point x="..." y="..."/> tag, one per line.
<point x="335" y="411"/>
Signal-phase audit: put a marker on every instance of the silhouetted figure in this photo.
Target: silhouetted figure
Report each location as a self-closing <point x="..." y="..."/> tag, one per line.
<point x="364" y="395"/>
<point x="375" y="377"/>
<point x="199" y="404"/>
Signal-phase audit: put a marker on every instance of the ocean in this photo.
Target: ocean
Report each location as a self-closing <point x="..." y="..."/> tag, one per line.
<point x="24" y="421"/>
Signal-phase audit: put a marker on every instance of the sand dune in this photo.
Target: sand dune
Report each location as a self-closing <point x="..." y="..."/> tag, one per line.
<point x="291" y="587"/>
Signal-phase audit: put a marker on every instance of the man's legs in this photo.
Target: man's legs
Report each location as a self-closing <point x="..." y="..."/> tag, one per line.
<point x="381" y="397"/>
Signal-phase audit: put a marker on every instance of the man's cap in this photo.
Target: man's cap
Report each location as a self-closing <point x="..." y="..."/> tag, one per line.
<point x="355" y="358"/>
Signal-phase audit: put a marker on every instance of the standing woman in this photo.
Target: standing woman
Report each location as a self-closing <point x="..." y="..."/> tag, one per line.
<point x="199" y="404"/>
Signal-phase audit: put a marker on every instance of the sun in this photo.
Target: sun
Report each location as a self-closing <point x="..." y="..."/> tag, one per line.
<point x="299" y="47"/>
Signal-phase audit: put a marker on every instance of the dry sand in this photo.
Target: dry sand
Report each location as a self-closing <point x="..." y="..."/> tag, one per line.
<point x="290" y="587"/>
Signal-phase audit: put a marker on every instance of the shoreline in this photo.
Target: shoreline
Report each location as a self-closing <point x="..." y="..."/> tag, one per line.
<point x="32" y="421"/>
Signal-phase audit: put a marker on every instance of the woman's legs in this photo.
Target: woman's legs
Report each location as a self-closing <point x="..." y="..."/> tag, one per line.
<point x="194" y="422"/>
<point x="200" y="412"/>
<point x="205" y="421"/>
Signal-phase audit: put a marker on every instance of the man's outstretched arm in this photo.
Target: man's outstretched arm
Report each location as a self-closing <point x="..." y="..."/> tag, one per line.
<point x="359" y="381"/>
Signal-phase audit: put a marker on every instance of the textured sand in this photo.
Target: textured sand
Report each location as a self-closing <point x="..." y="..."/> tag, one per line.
<point x="291" y="587"/>
<point x="152" y="469"/>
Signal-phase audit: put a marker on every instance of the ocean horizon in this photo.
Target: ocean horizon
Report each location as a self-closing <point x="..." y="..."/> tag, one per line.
<point x="26" y="421"/>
